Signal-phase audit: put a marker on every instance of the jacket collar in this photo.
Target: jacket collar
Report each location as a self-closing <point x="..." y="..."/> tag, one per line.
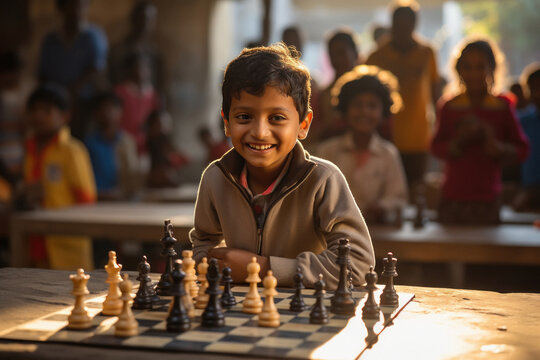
<point x="232" y="164"/>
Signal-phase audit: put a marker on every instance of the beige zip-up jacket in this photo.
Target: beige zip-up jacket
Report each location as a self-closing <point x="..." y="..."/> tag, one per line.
<point x="310" y="210"/>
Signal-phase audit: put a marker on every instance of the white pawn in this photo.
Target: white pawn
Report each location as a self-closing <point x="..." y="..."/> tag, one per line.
<point x="126" y="324"/>
<point x="269" y="315"/>
<point x="112" y="304"/>
<point x="252" y="304"/>
<point x="79" y="318"/>
<point x="190" y="281"/>
<point x="202" y="297"/>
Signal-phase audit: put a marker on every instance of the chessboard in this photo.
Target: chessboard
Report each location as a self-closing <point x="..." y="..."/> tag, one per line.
<point x="296" y="338"/>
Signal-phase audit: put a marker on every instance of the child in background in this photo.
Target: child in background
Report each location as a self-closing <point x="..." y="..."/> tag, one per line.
<point x="477" y="133"/>
<point x="267" y="198"/>
<point x="165" y="160"/>
<point x="57" y="173"/>
<point x="113" y="152"/>
<point x="529" y="197"/>
<point x="344" y="55"/>
<point x="139" y="98"/>
<point x="365" y="96"/>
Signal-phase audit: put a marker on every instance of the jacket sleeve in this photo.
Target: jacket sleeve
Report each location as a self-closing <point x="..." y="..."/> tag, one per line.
<point x="206" y="233"/>
<point x="338" y="216"/>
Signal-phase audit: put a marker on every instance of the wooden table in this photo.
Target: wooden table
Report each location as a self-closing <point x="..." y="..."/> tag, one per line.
<point x="503" y="244"/>
<point x="116" y="220"/>
<point x="438" y="324"/>
<point x="185" y="193"/>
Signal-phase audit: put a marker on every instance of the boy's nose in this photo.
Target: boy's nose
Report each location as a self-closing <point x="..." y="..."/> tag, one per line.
<point x="260" y="129"/>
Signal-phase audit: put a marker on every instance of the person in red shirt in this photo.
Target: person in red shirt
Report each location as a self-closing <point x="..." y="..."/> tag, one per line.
<point x="139" y="98"/>
<point x="477" y="133"/>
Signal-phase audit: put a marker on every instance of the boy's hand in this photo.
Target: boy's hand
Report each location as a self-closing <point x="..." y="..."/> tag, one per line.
<point x="237" y="260"/>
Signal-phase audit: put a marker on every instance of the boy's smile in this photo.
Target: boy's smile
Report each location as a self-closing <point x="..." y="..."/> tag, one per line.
<point x="264" y="129"/>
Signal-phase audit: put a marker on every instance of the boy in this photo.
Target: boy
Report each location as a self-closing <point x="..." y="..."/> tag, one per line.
<point x="57" y="173"/>
<point x="112" y="151"/>
<point x="267" y="197"/>
<point x="365" y="96"/>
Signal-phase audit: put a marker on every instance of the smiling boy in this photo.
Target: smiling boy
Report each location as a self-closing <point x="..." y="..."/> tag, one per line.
<point x="267" y="197"/>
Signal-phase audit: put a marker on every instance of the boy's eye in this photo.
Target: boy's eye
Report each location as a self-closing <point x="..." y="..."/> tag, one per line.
<point x="243" y="117"/>
<point x="277" y="118"/>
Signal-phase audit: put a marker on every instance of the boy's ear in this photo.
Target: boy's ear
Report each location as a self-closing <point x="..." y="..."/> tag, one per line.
<point x="225" y="125"/>
<point x="304" y="126"/>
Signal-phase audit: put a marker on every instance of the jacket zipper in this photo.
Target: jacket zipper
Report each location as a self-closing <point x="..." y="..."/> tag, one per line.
<point x="230" y="177"/>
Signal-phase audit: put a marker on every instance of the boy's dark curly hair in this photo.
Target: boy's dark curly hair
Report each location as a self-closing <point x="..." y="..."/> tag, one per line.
<point x="367" y="79"/>
<point x="276" y="65"/>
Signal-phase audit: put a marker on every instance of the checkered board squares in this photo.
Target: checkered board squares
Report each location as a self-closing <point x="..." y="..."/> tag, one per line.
<point x="295" y="338"/>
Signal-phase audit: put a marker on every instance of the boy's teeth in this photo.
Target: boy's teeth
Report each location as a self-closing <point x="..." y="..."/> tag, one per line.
<point x="260" y="147"/>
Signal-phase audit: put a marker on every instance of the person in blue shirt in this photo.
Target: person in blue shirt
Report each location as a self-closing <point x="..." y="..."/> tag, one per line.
<point x="74" y="56"/>
<point x="113" y="152"/>
<point x="529" y="116"/>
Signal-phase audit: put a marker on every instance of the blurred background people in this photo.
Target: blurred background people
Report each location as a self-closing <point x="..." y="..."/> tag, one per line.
<point x="413" y="62"/>
<point x="365" y="96"/>
<point x="113" y="152"/>
<point x="477" y="133"/>
<point x="75" y="56"/>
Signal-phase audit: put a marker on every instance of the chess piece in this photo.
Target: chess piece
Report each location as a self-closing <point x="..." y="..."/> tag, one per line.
<point x="318" y="314"/>
<point x="188" y="266"/>
<point x="269" y="316"/>
<point x="145" y="293"/>
<point x="227" y="298"/>
<point x="168" y="241"/>
<point x="297" y="302"/>
<point x="213" y="314"/>
<point x="126" y="325"/>
<point x="371" y="309"/>
<point x="178" y="319"/>
<point x="79" y="317"/>
<point x="342" y="302"/>
<point x="202" y="297"/>
<point x="253" y="304"/>
<point x="112" y="304"/>
<point x="389" y="296"/>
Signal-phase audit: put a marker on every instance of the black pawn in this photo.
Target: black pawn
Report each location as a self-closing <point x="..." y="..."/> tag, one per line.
<point x="297" y="302"/>
<point x="213" y="314"/>
<point x="144" y="297"/>
<point x="178" y="319"/>
<point x="227" y="298"/>
<point x="342" y="302"/>
<point x="163" y="287"/>
<point x="318" y="314"/>
<point x="389" y="296"/>
<point x="371" y="309"/>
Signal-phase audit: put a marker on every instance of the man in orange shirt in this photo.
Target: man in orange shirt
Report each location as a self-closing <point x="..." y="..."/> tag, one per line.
<point x="413" y="62"/>
<point x="57" y="173"/>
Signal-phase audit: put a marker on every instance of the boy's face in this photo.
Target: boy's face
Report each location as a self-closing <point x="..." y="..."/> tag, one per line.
<point x="342" y="56"/>
<point x="264" y="129"/>
<point x="108" y="116"/>
<point x="364" y="112"/>
<point x="46" y="119"/>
